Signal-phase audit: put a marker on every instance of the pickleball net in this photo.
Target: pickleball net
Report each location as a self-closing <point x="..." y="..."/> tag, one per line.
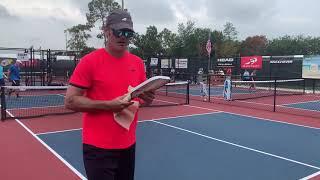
<point x="37" y="101"/>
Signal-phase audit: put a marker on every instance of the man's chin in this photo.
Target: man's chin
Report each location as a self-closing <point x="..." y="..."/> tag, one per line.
<point x="121" y="48"/>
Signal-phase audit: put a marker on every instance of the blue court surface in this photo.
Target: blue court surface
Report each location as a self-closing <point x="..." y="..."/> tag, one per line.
<point x="311" y="105"/>
<point x="211" y="146"/>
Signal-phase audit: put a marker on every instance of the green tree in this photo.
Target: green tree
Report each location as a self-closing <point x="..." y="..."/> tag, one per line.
<point x="229" y="49"/>
<point x="79" y="36"/>
<point x="168" y="41"/>
<point x="255" y="45"/>
<point x="86" y="51"/>
<point x="230" y="46"/>
<point x="98" y="12"/>
<point x="186" y="41"/>
<point x="137" y="45"/>
<point x="149" y="44"/>
<point x="289" y="45"/>
<point x="230" y="31"/>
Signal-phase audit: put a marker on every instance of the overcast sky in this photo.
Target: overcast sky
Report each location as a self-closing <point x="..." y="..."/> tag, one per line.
<point x="42" y="22"/>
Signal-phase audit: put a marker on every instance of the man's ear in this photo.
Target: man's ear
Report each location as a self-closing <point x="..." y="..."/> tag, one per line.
<point x="107" y="33"/>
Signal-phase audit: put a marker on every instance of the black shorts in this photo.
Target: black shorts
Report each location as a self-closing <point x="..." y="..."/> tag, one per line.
<point x="15" y="82"/>
<point x="104" y="164"/>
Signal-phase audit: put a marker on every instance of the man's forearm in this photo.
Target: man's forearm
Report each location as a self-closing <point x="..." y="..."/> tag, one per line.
<point x="84" y="104"/>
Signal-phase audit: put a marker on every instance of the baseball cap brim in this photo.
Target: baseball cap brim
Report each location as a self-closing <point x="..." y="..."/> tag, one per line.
<point x="122" y="25"/>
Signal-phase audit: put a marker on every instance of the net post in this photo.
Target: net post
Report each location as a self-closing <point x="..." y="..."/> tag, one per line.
<point x="166" y="90"/>
<point x="3" y="104"/>
<point x="304" y="86"/>
<point x="274" y="95"/>
<point x="209" y="82"/>
<point x="314" y="86"/>
<point x="188" y="93"/>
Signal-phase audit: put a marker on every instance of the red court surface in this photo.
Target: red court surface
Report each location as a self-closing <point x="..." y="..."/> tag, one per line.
<point x="23" y="156"/>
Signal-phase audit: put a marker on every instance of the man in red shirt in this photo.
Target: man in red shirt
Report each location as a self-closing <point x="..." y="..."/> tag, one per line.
<point x="98" y="87"/>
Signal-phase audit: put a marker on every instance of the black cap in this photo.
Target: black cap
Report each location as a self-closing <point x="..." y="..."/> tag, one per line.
<point x="119" y="19"/>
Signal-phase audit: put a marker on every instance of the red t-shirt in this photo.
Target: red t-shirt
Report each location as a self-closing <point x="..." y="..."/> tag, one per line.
<point x="105" y="77"/>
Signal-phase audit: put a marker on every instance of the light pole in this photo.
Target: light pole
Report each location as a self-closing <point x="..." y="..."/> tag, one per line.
<point x="66" y="33"/>
<point x="122" y="4"/>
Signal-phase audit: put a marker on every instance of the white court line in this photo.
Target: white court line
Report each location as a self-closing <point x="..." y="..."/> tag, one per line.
<point x="40" y="95"/>
<point x="198" y="107"/>
<point x="301" y="109"/>
<point x="254" y="103"/>
<point x="41" y="107"/>
<point x="62" y="131"/>
<point x="141" y="121"/>
<point x="239" y="146"/>
<point x="282" y="105"/>
<point x="278" y="105"/>
<point x="311" y="176"/>
<point x="79" y="174"/>
<point x="255" y="117"/>
<point x="301" y="102"/>
<point x="50" y="149"/>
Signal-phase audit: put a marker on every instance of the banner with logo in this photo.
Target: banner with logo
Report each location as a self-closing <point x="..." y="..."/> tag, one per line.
<point x="251" y="62"/>
<point x="23" y="56"/>
<point x="154" y="62"/>
<point x="181" y="63"/>
<point x="311" y="67"/>
<point x="165" y="63"/>
<point x="281" y="59"/>
<point x="226" y="62"/>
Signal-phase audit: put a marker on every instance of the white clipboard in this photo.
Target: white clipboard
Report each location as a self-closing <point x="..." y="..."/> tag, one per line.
<point x="150" y="84"/>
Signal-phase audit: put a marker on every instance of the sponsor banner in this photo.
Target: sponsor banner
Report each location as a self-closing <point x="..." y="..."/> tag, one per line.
<point x="154" y="62"/>
<point x="311" y="67"/>
<point x="226" y="62"/>
<point x="165" y="63"/>
<point x="251" y="62"/>
<point x="281" y="60"/>
<point x="181" y="63"/>
<point x="23" y="56"/>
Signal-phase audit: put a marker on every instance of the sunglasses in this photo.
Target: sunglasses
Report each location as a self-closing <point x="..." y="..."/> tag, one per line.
<point x="123" y="32"/>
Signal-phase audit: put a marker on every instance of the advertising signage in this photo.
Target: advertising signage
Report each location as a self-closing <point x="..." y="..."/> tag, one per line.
<point x="251" y="62"/>
<point x="226" y="62"/>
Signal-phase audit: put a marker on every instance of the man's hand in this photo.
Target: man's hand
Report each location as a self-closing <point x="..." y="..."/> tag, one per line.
<point x="147" y="97"/>
<point x="119" y="103"/>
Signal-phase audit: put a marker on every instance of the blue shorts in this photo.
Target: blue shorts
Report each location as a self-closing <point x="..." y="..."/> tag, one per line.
<point x="2" y="83"/>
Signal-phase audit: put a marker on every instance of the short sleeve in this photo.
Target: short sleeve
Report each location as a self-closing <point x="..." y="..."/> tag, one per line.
<point x="82" y="75"/>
